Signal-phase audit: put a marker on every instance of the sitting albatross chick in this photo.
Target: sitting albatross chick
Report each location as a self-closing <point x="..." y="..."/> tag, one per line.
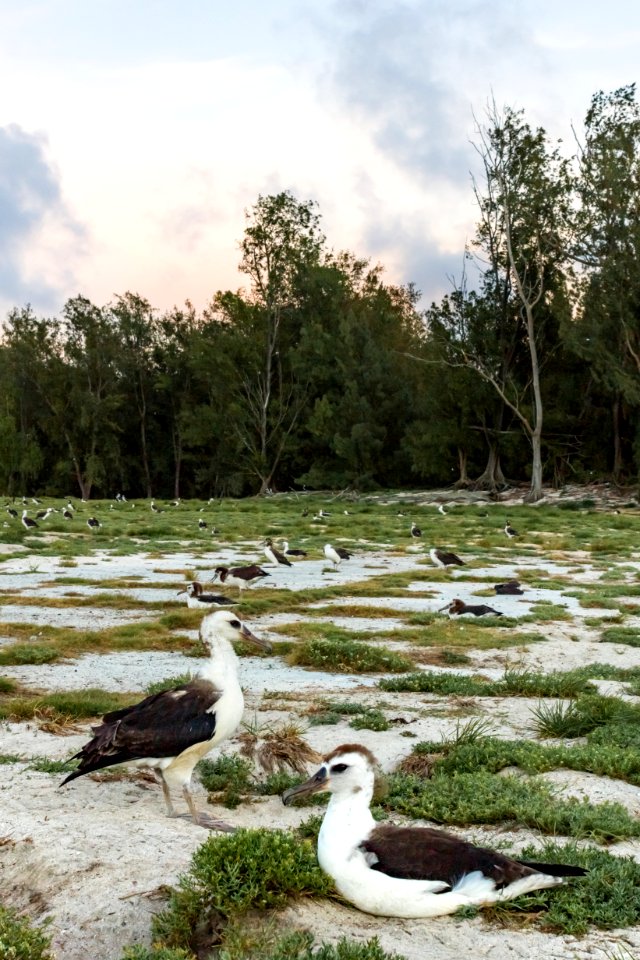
<point x="510" y="587"/>
<point x="407" y="871"/>
<point x="457" y="608"/>
<point x="197" y="599"/>
<point x="172" y="730"/>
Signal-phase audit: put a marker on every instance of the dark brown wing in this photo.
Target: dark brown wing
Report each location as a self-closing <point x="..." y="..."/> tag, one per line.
<point x="162" y="725"/>
<point x="451" y="558"/>
<point x="247" y="572"/>
<point x="419" y="853"/>
<point x="481" y="610"/>
<point x="280" y="557"/>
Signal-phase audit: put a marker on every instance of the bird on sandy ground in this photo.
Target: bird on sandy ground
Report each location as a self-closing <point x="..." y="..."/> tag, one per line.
<point x="457" y="608"/>
<point x="415" y="531"/>
<point x="336" y="555"/>
<point x="274" y="556"/>
<point x="240" y="577"/>
<point x="172" y="730"/>
<point x="510" y="532"/>
<point x="93" y="523"/>
<point x="443" y="559"/>
<point x="27" y="522"/>
<point x="393" y="871"/>
<point x="292" y="551"/>
<point x="509" y="587"/>
<point x="197" y="599"/>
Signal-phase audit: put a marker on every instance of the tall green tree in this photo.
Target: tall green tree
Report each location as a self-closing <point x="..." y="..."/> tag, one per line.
<point x="606" y="331"/>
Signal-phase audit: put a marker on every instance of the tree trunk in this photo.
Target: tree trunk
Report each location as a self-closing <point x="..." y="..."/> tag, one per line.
<point x="492" y="478"/>
<point x="617" y="443"/>
<point x="463" y="479"/>
<point x="535" y="490"/>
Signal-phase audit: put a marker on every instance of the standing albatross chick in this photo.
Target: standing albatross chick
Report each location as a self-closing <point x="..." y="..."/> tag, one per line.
<point x="336" y="555"/>
<point x="274" y="556"/>
<point x="443" y="559"/>
<point x="172" y="730"/>
<point x="407" y="871"/>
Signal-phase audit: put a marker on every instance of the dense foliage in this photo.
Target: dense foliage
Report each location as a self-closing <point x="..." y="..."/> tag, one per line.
<point x="322" y="374"/>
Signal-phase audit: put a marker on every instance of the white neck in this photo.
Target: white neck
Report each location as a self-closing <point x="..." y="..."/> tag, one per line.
<point x="346" y="823"/>
<point x="221" y="668"/>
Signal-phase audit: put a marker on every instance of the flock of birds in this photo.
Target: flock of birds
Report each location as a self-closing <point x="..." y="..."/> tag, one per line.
<point x="381" y="869"/>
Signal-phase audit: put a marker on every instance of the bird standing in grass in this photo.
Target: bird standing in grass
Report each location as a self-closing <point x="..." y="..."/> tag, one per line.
<point x="172" y="730"/>
<point x="415" y="531"/>
<point x="392" y="871"/>
<point x="510" y="532"/>
<point x="27" y="522"/>
<point x="202" y="524"/>
<point x="293" y="551"/>
<point x="93" y="523"/>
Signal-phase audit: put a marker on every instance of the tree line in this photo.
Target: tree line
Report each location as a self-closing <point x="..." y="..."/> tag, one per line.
<point x="322" y="374"/>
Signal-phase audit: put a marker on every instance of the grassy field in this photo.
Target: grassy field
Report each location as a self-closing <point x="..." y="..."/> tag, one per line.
<point x="516" y="697"/>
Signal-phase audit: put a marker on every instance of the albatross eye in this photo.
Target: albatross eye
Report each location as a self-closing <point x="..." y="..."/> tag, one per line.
<point x="339" y="767"/>
<point x="235" y="623"/>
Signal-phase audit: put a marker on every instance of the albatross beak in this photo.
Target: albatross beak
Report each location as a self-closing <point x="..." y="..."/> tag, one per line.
<point x="446" y="607"/>
<point x="316" y="784"/>
<point x="246" y="634"/>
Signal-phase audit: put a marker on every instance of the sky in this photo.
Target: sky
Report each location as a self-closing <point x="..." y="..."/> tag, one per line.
<point x="136" y="135"/>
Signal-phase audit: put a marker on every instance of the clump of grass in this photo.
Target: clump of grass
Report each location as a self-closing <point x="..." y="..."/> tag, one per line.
<point x="231" y="874"/>
<point x="20" y="940"/>
<point x="608" y="897"/>
<point x="582" y="716"/>
<point x="522" y="683"/>
<point x="228" y="777"/>
<point x="371" y="719"/>
<point x="23" y="653"/>
<point x="45" y="765"/>
<point x="348" y="656"/>
<point x="481" y="797"/>
<point x="64" y="705"/>
<point x="7" y="685"/>
<point x="630" y="636"/>
<point x="168" y="683"/>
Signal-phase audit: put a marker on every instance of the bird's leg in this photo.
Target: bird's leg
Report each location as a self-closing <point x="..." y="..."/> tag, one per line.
<point x="167" y="799"/>
<point x="201" y="819"/>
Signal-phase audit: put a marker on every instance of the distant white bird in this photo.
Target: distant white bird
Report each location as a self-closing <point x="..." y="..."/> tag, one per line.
<point x="93" y="523"/>
<point x="172" y="730"/>
<point x="394" y="871"/>
<point x="415" y="531"/>
<point x="202" y="524"/>
<point x="442" y="510"/>
<point x="336" y="555"/>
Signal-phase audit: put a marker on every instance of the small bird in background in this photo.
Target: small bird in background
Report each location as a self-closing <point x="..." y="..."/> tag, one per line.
<point x="27" y="522"/>
<point x="202" y="524"/>
<point x="510" y="532"/>
<point x="415" y="531"/>
<point x="442" y="510"/>
<point x="292" y="551"/>
<point x="93" y="523"/>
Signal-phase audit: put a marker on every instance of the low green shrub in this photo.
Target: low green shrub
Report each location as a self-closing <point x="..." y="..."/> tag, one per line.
<point x="20" y="940"/>
<point x="348" y="656"/>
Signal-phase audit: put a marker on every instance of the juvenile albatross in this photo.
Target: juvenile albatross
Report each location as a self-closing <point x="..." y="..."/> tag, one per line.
<point x="407" y="871"/>
<point x="172" y="730"/>
<point x="197" y="599"/>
